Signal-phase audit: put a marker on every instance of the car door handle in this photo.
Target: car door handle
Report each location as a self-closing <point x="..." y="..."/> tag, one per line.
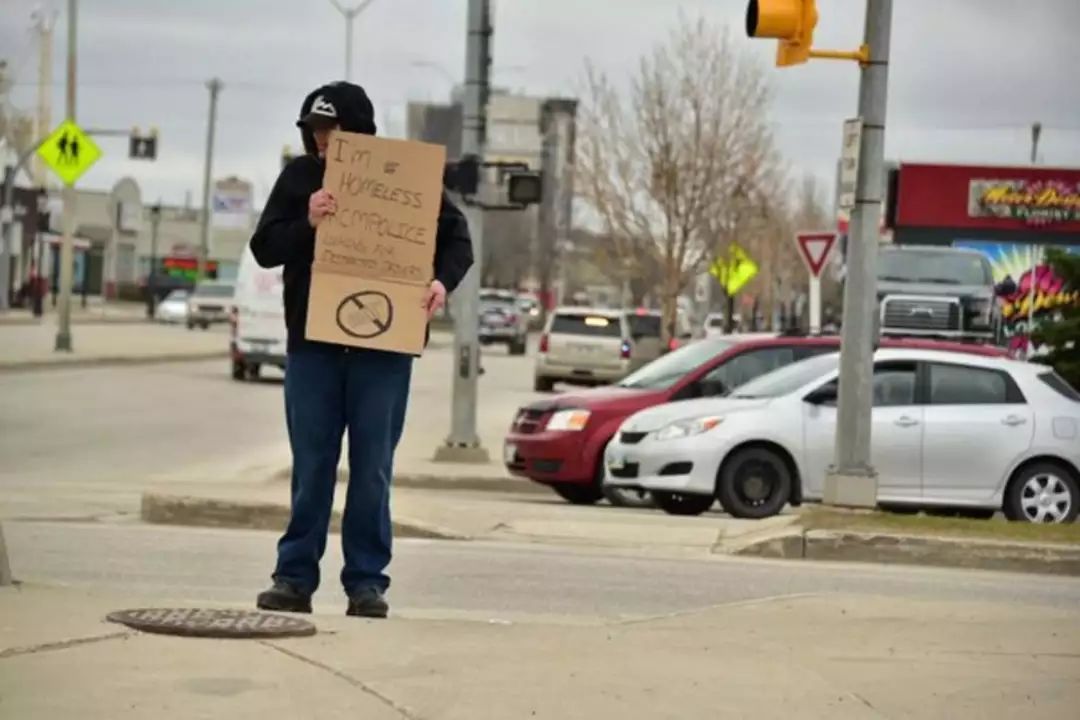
<point x="1013" y="420"/>
<point x="905" y="421"/>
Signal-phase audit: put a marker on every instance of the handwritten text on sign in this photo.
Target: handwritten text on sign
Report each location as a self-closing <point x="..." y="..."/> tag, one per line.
<point x="374" y="256"/>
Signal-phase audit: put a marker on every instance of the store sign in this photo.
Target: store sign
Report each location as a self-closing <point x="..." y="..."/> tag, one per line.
<point x="186" y="268"/>
<point x="1040" y="202"/>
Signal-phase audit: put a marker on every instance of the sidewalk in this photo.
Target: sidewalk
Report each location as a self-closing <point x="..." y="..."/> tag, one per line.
<point x="96" y="311"/>
<point x="31" y="346"/>
<point x="835" y="656"/>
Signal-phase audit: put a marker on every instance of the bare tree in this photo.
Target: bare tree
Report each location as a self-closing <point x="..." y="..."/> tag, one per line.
<point x="673" y="168"/>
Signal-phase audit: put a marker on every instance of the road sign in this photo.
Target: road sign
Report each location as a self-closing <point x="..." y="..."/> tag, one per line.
<point x="69" y="152"/>
<point x="849" y="163"/>
<point x="734" y="271"/>
<point x="815" y="249"/>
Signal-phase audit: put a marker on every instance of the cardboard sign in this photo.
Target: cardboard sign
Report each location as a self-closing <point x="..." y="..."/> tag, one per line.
<point x="374" y="257"/>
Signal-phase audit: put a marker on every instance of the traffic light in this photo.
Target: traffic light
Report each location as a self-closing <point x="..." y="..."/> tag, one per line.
<point x="463" y="176"/>
<point x="791" y="22"/>
<point x="143" y="147"/>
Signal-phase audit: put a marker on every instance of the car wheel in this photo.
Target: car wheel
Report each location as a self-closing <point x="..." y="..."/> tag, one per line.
<point x="1043" y="493"/>
<point x="683" y="503"/>
<point x="239" y="370"/>
<point x="518" y="347"/>
<point x="543" y="384"/>
<point x="253" y="372"/>
<point x="754" y="483"/>
<point x="575" y="494"/>
<point x="190" y="325"/>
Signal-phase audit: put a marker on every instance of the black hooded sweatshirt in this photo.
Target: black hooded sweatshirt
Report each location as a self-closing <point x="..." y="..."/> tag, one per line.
<point x="284" y="237"/>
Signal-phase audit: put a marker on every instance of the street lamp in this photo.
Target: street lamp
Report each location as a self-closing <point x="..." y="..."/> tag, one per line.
<point x="151" y="281"/>
<point x="349" y="14"/>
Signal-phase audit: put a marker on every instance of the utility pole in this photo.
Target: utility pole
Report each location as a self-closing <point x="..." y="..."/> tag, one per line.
<point x="852" y="481"/>
<point x="67" y="246"/>
<point x="151" y="281"/>
<point x="1036" y="132"/>
<point x="214" y="86"/>
<point x="350" y="15"/>
<point x="463" y="443"/>
<point x="44" y="23"/>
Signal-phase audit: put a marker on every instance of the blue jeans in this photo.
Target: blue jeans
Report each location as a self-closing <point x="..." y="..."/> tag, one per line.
<point x="329" y="390"/>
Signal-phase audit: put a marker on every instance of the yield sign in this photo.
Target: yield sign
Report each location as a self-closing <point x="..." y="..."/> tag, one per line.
<point x="815" y="248"/>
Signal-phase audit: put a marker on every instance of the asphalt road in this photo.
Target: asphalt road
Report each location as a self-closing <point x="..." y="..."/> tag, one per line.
<point x="448" y="578"/>
<point x="69" y="435"/>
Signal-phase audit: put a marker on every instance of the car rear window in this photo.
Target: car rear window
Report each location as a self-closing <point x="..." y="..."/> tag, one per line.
<point x="644" y="325"/>
<point x="589" y="325"/>
<point x="214" y="291"/>
<point x="1060" y="385"/>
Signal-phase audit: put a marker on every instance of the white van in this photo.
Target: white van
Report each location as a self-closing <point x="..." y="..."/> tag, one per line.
<point x="258" y="324"/>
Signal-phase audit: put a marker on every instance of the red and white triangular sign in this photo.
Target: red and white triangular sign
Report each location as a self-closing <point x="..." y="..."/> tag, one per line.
<point x="815" y="249"/>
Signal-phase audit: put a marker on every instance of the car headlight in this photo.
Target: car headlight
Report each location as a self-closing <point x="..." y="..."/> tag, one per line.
<point x="688" y="428"/>
<point x="570" y="420"/>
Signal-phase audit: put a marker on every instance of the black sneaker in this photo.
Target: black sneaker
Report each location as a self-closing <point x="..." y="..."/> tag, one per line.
<point x="284" y="597"/>
<point x="368" y="603"/>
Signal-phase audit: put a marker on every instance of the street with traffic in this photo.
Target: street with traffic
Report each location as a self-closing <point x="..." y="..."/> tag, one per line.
<point x="684" y="366"/>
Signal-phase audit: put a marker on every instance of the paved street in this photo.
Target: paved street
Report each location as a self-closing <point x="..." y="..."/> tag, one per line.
<point x="229" y="566"/>
<point x="91" y="439"/>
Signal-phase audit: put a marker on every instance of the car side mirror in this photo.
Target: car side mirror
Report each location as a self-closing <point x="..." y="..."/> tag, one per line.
<point x="824" y="395"/>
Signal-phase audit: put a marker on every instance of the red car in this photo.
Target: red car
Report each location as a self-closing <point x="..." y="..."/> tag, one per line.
<point x="559" y="442"/>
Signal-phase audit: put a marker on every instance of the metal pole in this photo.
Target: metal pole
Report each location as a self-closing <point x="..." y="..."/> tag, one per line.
<point x="214" y="86"/>
<point x="463" y="443"/>
<point x="815" y="305"/>
<point x="1036" y="131"/>
<point x="7" y="219"/>
<point x="5" y="566"/>
<point x="852" y="481"/>
<point x="67" y="247"/>
<point x="151" y="283"/>
<point x="350" y="15"/>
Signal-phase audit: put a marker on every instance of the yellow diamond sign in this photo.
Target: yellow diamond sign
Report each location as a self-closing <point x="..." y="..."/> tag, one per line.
<point x="734" y="271"/>
<point x="69" y="152"/>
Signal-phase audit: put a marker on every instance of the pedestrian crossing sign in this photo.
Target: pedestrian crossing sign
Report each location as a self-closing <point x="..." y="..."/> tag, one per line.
<point x="69" y="152"/>
<point x="734" y="271"/>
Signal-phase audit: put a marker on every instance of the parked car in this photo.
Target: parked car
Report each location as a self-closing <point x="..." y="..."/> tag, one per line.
<point x="173" y="308"/>
<point x="503" y="321"/>
<point x="937" y="292"/>
<point x="949" y="430"/>
<point x="594" y="346"/>
<point x="258" y="323"/>
<point x="559" y="442"/>
<point x="211" y="302"/>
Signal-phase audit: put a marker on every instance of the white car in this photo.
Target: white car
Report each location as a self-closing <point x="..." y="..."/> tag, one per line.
<point x="173" y="308"/>
<point x="949" y="431"/>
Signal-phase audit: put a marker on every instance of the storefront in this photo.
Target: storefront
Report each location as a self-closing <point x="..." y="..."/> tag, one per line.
<point x="1012" y="214"/>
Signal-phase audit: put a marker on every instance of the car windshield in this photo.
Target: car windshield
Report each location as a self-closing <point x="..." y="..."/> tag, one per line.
<point x="669" y="369"/>
<point x="214" y="291"/>
<point x="176" y="296"/>
<point x="589" y="325"/>
<point x="644" y="325"/>
<point x="932" y="267"/>
<point x="787" y="379"/>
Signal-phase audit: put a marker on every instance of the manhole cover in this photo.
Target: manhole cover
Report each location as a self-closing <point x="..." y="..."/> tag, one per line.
<point x="194" y="622"/>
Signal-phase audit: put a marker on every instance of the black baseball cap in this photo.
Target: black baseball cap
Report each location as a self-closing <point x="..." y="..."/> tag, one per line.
<point x="323" y="114"/>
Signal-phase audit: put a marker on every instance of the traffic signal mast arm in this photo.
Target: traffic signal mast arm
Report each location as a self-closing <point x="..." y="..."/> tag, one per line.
<point x="792" y="22"/>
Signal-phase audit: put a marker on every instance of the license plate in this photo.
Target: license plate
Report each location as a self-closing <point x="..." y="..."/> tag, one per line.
<point x="509" y="453"/>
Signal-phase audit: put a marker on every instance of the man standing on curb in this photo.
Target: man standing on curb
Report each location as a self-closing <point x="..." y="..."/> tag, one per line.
<point x="331" y="389"/>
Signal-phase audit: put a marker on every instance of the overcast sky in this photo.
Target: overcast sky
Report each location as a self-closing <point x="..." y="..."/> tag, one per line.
<point x="967" y="79"/>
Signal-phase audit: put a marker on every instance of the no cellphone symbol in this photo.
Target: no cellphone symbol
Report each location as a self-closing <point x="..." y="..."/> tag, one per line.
<point x="365" y="315"/>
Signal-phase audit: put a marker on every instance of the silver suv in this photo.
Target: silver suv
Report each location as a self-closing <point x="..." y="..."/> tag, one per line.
<point x="592" y="346"/>
<point x="940" y="292"/>
<point x="503" y="321"/>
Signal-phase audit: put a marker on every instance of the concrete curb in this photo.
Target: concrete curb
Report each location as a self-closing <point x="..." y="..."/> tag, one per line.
<point x="110" y="361"/>
<point x="431" y="481"/>
<point x="235" y="515"/>
<point x="936" y="551"/>
<point x="23" y="322"/>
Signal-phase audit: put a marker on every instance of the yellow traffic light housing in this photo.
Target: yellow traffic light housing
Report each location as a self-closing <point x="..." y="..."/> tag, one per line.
<point x="792" y="22"/>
